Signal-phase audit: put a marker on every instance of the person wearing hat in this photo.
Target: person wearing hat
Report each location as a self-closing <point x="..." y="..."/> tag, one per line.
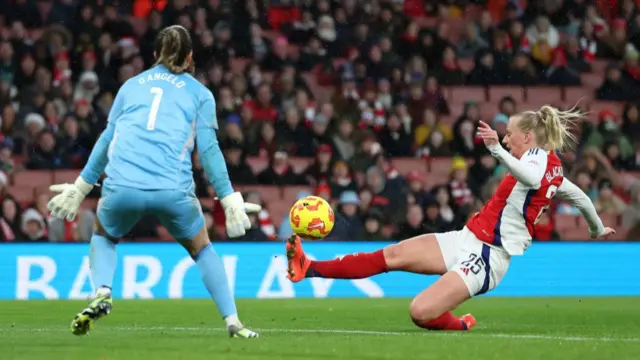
<point x="499" y="123"/>
<point x="348" y="225"/>
<point x="416" y="184"/>
<point x="460" y="189"/>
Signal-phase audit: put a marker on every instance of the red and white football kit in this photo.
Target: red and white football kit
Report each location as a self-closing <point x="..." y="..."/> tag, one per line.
<point x="482" y="250"/>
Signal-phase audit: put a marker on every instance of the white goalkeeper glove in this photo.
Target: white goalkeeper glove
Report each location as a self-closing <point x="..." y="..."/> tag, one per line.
<point x="67" y="203"/>
<point x="235" y="211"/>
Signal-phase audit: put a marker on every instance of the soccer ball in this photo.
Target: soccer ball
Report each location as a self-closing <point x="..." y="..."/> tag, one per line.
<point x="311" y="218"/>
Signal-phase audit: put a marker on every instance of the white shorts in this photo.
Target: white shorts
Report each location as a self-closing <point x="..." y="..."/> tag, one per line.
<point x="482" y="266"/>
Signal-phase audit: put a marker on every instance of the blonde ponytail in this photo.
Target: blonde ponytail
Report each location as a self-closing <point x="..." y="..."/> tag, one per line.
<point x="173" y="46"/>
<point x="551" y="126"/>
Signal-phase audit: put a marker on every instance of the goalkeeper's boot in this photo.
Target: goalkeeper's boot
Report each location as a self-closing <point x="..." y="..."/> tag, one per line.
<point x="98" y="308"/>
<point x="241" y="332"/>
<point x="298" y="263"/>
<point x="468" y="320"/>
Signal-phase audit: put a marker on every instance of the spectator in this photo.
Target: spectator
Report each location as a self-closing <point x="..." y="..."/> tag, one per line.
<point x="615" y="87"/>
<point x="46" y="155"/>
<point x="239" y="171"/>
<point x="348" y="224"/>
<point x="543" y="30"/>
<point x="631" y="215"/>
<point x="7" y="164"/>
<point x="416" y="187"/>
<point x="434" y="97"/>
<point x="395" y="139"/>
<point x="614" y="44"/>
<point x="485" y="73"/>
<point x="293" y="135"/>
<point x="631" y="121"/>
<point x="446" y="206"/>
<point x="263" y="217"/>
<point x="522" y="71"/>
<point x="373" y="227"/>
<point x="608" y="201"/>
<point x="460" y="188"/>
<point x="341" y="179"/>
<point x="433" y="222"/>
<point x="10" y="223"/>
<point x="482" y="169"/>
<point x="413" y="224"/>
<point x="471" y="42"/>
<point x="267" y="143"/>
<point x="449" y="72"/>
<point x="343" y="141"/>
<point x="33" y="226"/>
<point x="464" y="140"/>
<point x="320" y="169"/>
<point x="279" y="172"/>
<point x="608" y="131"/>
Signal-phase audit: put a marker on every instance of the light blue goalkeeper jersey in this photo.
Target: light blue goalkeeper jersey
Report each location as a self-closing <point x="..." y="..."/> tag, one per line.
<point x="156" y="119"/>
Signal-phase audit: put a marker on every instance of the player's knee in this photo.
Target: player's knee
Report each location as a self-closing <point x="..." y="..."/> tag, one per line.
<point x="422" y="311"/>
<point x="392" y="256"/>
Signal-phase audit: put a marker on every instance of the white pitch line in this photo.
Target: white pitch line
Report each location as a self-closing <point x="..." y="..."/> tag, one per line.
<point x="350" y="332"/>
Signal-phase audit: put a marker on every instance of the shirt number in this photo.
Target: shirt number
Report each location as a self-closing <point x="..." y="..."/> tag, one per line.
<point x="551" y="192"/>
<point x="155" y="105"/>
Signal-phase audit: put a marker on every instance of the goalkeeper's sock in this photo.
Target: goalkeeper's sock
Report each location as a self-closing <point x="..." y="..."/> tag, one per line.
<point x="102" y="258"/>
<point x="446" y="321"/>
<point x="353" y="266"/>
<point x="215" y="280"/>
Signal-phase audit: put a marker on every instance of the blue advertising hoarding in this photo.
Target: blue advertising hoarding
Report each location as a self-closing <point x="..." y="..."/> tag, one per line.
<point x="258" y="270"/>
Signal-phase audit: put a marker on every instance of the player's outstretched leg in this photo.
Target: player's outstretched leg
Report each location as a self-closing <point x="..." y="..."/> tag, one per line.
<point x="353" y="266"/>
<point x="102" y="258"/>
<point x="420" y="255"/>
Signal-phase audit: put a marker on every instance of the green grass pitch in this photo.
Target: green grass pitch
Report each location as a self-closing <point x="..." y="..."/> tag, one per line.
<point x="508" y="328"/>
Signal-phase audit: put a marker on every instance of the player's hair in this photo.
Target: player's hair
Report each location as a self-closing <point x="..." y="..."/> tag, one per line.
<point x="173" y="46"/>
<point x="551" y="126"/>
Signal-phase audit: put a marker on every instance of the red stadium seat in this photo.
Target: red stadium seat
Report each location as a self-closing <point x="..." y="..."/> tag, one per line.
<point x="65" y="176"/>
<point x="278" y="210"/>
<point x="577" y="95"/>
<point x="538" y="96"/>
<point x="258" y="164"/>
<point x="598" y="106"/>
<point x="404" y="165"/>
<point x="591" y="81"/>
<point x="268" y="193"/>
<point x="462" y="94"/>
<point x="299" y="164"/>
<point x="33" y="178"/>
<point x="498" y="92"/>
<point x="290" y="193"/>
<point x="23" y="194"/>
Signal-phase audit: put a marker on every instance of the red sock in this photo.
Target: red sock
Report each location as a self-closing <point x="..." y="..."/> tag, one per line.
<point x="354" y="266"/>
<point x="446" y="321"/>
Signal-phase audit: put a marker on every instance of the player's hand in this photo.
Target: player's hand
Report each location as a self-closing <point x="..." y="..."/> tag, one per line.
<point x="488" y="135"/>
<point x="235" y="211"/>
<point x="605" y="234"/>
<point x="70" y="196"/>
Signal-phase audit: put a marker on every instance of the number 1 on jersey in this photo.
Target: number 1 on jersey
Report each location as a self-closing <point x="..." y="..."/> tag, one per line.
<point x="155" y="105"/>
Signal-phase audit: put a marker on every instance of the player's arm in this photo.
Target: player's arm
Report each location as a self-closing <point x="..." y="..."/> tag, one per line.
<point x="529" y="170"/>
<point x="67" y="203"/>
<point x="209" y="148"/>
<point x="572" y="194"/>
<point x="213" y="162"/>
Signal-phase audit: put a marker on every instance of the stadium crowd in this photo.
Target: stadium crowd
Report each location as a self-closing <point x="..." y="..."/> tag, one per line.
<point x="348" y="87"/>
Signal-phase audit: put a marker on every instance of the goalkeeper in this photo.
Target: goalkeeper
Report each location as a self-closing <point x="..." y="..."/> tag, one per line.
<point x="145" y="152"/>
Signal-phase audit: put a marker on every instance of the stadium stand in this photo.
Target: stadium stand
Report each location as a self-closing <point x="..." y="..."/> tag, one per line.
<point x="387" y="87"/>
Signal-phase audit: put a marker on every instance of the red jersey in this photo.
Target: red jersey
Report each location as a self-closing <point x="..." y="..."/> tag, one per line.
<point x="508" y="219"/>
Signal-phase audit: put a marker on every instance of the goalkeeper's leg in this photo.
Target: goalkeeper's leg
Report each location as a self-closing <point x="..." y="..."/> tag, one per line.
<point x="102" y="257"/>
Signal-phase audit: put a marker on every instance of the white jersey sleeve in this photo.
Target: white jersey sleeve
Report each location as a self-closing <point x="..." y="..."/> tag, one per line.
<point x="529" y="170"/>
<point x="572" y="194"/>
